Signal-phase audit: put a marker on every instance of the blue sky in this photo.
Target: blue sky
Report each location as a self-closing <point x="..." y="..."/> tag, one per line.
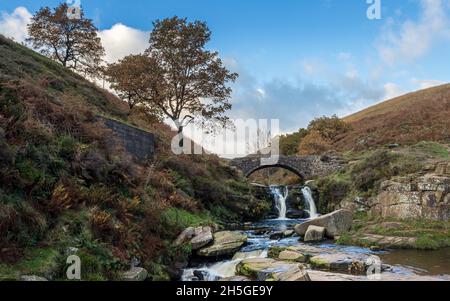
<point x="298" y="59"/>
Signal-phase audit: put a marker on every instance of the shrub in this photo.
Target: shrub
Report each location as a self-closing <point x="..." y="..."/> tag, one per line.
<point x="314" y="144"/>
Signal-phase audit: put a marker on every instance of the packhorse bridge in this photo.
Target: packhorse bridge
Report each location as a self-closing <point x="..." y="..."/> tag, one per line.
<point x="306" y="167"/>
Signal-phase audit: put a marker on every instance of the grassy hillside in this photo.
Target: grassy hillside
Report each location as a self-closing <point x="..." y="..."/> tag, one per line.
<point x="65" y="184"/>
<point x="406" y="120"/>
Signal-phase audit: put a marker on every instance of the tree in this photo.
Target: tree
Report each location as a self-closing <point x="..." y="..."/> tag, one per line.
<point x="130" y="75"/>
<point x="71" y="41"/>
<point x="289" y="143"/>
<point x="329" y="127"/>
<point x="187" y="83"/>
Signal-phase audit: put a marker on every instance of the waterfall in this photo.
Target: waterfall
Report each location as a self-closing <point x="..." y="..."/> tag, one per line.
<point x="280" y="200"/>
<point x="307" y="194"/>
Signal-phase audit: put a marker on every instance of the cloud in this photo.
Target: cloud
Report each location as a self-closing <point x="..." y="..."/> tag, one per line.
<point x="426" y="83"/>
<point x="392" y="90"/>
<point x="14" y="25"/>
<point x="121" y="40"/>
<point x="413" y="39"/>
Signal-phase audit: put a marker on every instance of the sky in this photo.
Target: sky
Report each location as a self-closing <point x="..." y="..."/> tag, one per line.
<point x="297" y="59"/>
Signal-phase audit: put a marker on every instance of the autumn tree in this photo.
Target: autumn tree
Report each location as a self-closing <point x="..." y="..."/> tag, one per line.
<point x="314" y="144"/>
<point x="73" y="42"/>
<point x="184" y="80"/>
<point x="329" y="127"/>
<point x="129" y="77"/>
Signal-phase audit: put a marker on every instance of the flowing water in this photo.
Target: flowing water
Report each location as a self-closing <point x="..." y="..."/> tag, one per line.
<point x="280" y="194"/>
<point x="403" y="262"/>
<point x="312" y="209"/>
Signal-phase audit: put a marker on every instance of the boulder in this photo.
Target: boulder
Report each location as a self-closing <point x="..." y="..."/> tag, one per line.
<point x="288" y="233"/>
<point x="225" y="243"/>
<point x="314" y="234"/>
<point x="342" y="262"/>
<point x="185" y="236"/>
<point x="277" y="235"/>
<point x="32" y="278"/>
<point x="335" y="223"/>
<point x="289" y="255"/>
<point x="202" y="237"/>
<point x="264" y="269"/>
<point x="135" y="274"/>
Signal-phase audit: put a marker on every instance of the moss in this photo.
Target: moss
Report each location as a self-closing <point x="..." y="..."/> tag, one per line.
<point x="39" y="261"/>
<point x="319" y="264"/>
<point x="181" y="219"/>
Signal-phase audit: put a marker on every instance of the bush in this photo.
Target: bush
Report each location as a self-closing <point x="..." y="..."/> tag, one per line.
<point x="314" y="144"/>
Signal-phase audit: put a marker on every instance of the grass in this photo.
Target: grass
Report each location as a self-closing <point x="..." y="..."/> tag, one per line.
<point x="39" y="261"/>
<point x="432" y="149"/>
<point x="180" y="218"/>
<point x="430" y="235"/>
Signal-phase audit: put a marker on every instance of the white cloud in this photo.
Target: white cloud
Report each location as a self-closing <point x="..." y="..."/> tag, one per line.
<point x="14" y="25"/>
<point x="392" y="90"/>
<point x="121" y="40"/>
<point x="426" y="83"/>
<point x="414" y="39"/>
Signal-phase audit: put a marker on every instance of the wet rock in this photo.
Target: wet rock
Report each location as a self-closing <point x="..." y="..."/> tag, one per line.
<point x="336" y="223"/>
<point x="314" y="234"/>
<point x="244" y="255"/>
<point x="201" y="275"/>
<point x="202" y="237"/>
<point x="294" y="214"/>
<point x="388" y="242"/>
<point x="341" y="262"/>
<point x="32" y="278"/>
<point x="264" y="269"/>
<point x="225" y="243"/>
<point x="135" y="274"/>
<point x="288" y="233"/>
<point x="289" y="255"/>
<point x="276" y="235"/>
<point x="330" y="276"/>
<point x="235" y="279"/>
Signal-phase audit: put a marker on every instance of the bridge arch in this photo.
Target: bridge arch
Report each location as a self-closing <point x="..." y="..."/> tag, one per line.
<point x="280" y="165"/>
<point x="305" y="167"/>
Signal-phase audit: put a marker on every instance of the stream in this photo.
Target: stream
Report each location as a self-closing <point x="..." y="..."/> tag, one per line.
<point x="402" y="262"/>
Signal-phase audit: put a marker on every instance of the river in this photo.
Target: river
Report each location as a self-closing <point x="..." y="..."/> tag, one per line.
<point x="402" y="262"/>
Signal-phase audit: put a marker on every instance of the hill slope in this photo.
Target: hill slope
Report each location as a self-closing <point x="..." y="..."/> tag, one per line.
<point x="65" y="184"/>
<point x="408" y="119"/>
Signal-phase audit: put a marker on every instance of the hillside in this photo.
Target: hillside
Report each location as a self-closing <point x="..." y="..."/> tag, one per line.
<point x="66" y="184"/>
<point x="405" y="120"/>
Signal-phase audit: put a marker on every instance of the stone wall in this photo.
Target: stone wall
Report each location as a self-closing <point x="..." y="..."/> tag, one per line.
<point x="137" y="142"/>
<point x="426" y="196"/>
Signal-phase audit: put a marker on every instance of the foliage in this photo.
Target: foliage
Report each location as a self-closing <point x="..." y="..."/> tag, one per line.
<point x="73" y="42"/>
<point x="314" y="144"/>
<point x="289" y="143"/>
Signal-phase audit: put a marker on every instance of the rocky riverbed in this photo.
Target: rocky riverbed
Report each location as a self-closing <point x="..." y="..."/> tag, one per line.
<point x="272" y="251"/>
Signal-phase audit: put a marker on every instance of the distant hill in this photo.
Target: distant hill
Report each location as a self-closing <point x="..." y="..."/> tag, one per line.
<point x="419" y="116"/>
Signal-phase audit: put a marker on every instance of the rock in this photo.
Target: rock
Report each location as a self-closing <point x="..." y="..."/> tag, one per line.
<point x="335" y="223"/>
<point x="388" y="242"/>
<point x="414" y="197"/>
<point x="32" y="278"/>
<point x="245" y="255"/>
<point x="185" y="236"/>
<point x="225" y="243"/>
<point x="294" y="214"/>
<point x="235" y="279"/>
<point x="288" y="233"/>
<point x="71" y="251"/>
<point x="289" y="255"/>
<point x="201" y="275"/>
<point x="342" y="262"/>
<point x="330" y="276"/>
<point x="305" y="250"/>
<point x="135" y="274"/>
<point x="263" y="269"/>
<point x="314" y="234"/>
<point x="276" y="235"/>
<point x="202" y="237"/>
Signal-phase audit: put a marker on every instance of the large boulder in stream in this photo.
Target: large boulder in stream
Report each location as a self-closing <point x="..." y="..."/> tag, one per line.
<point x="314" y="234"/>
<point x="267" y="269"/>
<point x="225" y="243"/>
<point x="197" y="237"/>
<point x="335" y="223"/>
<point x="344" y="263"/>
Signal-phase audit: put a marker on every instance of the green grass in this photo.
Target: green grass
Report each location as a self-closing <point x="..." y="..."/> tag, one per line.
<point x="39" y="261"/>
<point x="432" y="149"/>
<point x="180" y="218"/>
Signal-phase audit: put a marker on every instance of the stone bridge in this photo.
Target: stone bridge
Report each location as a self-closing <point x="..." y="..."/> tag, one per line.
<point x="306" y="167"/>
